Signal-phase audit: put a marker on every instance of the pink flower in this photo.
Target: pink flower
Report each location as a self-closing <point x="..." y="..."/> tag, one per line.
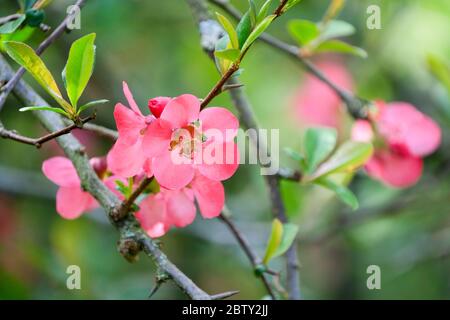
<point x="71" y="200"/>
<point x="158" y="212"/>
<point x="127" y="155"/>
<point x="407" y="135"/>
<point x="316" y="104"/>
<point x="184" y="140"/>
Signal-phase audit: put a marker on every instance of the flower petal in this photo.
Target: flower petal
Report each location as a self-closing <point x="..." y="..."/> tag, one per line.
<point x="395" y="169"/>
<point x="219" y="119"/>
<point x="72" y="202"/>
<point x="181" y="110"/>
<point x="153" y="215"/>
<point x="157" y="105"/>
<point x="130" y="99"/>
<point x="180" y="209"/>
<point x="401" y="122"/>
<point x="210" y="196"/>
<point x="172" y="175"/>
<point x="126" y="159"/>
<point x="218" y="161"/>
<point x="157" y="138"/>
<point x="61" y="171"/>
<point x="362" y="131"/>
<point x="129" y="124"/>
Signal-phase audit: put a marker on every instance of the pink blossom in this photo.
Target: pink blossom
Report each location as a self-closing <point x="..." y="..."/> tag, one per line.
<point x="71" y="200"/>
<point x="406" y="135"/>
<point x="158" y="212"/>
<point x="184" y="140"/>
<point x="127" y="157"/>
<point x="318" y="105"/>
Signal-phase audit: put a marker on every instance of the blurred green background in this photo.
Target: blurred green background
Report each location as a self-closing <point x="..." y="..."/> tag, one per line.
<point x="154" y="46"/>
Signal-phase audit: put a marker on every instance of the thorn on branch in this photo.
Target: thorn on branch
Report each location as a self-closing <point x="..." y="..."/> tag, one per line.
<point x="224" y="295"/>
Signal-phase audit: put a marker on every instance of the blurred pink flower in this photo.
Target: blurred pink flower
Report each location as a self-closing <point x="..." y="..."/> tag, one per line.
<point x="127" y="157"/>
<point x="315" y="103"/>
<point x="184" y="140"/>
<point x="158" y="212"/>
<point x="71" y="200"/>
<point x="407" y="135"/>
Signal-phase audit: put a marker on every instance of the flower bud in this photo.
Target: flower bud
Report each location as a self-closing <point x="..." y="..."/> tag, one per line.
<point x="157" y="105"/>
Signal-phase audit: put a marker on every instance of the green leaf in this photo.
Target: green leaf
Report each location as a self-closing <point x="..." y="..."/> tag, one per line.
<point x="303" y="31"/>
<point x="319" y="143"/>
<point x="340" y="47"/>
<point x="259" y="29"/>
<point x="263" y="11"/>
<point x="12" y="26"/>
<point x="289" y="234"/>
<point x="348" y="157"/>
<point x="343" y="193"/>
<point x="293" y="154"/>
<point x="244" y="28"/>
<point x="91" y="104"/>
<point x="57" y="110"/>
<point x="27" y="58"/>
<point x="274" y="240"/>
<point x="79" y="67"/>
<point x="290" y="4"/>
<point x="228" y="26"/>
<point x="439" y="69"/>
<point x="223" y="64"/>
<point x="336" y="29"/>
<point x="228" y="54"/>
<point x="252" y="11"/>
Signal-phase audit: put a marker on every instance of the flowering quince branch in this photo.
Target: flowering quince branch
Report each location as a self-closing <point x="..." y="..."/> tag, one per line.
<point x="218" y="88"/>
<point x="9" y="86"/>
<point x="254" y="259"/>
<point x="133" y="239"/>
<point x="38" y="142"/>
<point x="357" y="107"/>
<point x="210" y="33"/>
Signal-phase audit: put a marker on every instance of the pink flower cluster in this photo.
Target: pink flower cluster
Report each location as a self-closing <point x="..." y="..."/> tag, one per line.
<point x="187" y="151"/>
<point x="403" y="136"/>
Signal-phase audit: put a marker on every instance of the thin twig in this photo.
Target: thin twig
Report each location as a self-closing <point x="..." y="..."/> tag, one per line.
<point x="243" y="243"/>
<point x="218" y="87"/>
<point x="126" y="205"/>
<point x="9" y="18"/>
<point x="9" y="86"/>
<point x="38" y="142"/>
<point x="356" y="105"/>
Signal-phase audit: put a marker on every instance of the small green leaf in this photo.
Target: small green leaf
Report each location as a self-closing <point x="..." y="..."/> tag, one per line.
<point x="12" y="26"/>
<point x="293" y="154"/>
<point x="303" y="31"/>
<point x="348" y="157"/>
<point x="439" y="69"/>
<point x="57" y="110"/>
<point x="319" y="143"/>
<point x="79" y="67"/>
<point x="343" y="193"/>
<point x="27" y="58"/>
<point x="228" y="54"/>
<point x="336" y="29"/>
<point x="252" y="12"/>
<point x="290" y="4"/>
<point x="341" y="47"/>
<point x="274" y="240"/>
<point x="263" y="11"/>
<point x="223" y="44"/>
<point x="244" y="28"/>
<point x="91" y="104"/>
<point x="289" y="234"/>
<point x="228" y="26"/>
<point x="259" y="29"/>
